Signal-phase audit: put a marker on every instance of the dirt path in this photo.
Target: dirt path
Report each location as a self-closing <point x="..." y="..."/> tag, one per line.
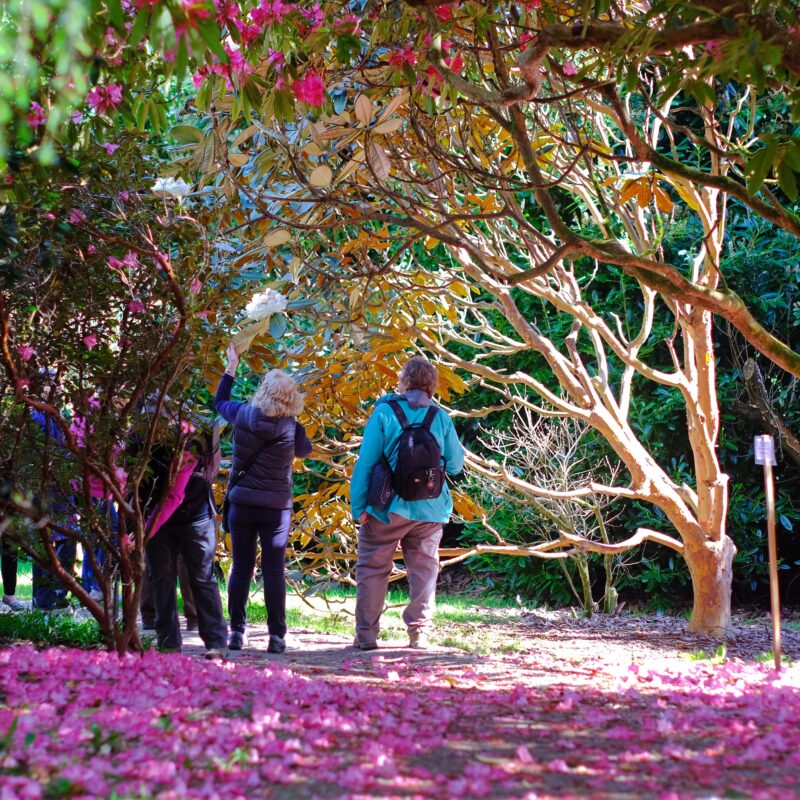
<point x="653" y="641"/>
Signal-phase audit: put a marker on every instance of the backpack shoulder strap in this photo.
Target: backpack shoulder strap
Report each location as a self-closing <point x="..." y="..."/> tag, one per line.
<point x="429" y="417"/>
<point x="399" y="413"/>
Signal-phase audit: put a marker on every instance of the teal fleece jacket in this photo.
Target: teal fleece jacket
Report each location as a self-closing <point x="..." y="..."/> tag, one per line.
<point x="381" y="436"/>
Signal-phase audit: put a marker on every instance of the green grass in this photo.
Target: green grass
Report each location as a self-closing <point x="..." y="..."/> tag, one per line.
<point x="49" y="629"/>
<point x="467" y="623"/>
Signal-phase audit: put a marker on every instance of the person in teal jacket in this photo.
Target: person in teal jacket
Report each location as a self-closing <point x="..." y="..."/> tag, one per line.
<point x="414" y="524"/>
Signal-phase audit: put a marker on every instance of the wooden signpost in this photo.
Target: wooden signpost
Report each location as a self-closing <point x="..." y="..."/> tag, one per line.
<point x="764" y="450"/>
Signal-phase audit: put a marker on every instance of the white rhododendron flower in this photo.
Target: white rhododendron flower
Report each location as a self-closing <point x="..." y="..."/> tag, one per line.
<point x="265" y="304"/>
<point x="171" y="187"/>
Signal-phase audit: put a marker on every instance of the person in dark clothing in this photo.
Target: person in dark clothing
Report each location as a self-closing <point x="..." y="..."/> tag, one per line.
<point x="265" y="432"/>
<point x="147" y="604"/>
<point x="185" y="524"/>
<point x="48" y="593"/>
<point x="9" y="559"/>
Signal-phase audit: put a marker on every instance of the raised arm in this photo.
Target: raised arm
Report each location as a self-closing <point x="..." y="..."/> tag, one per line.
<point x="227" y="408"/>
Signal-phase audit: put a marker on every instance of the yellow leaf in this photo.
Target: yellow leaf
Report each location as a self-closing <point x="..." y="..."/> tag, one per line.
<point x="430" y="243"/>
<point x="663" y="201"/>
<point x="238" y="159"/>
<point x="321" y="176"/>
<point x="629" y="190"/>
<point x="363" y="110"/>
<point x="379" y="161"/>
<point x="393" y="105"/>
<point x="390" y="126"/>
<point x="246" y="134"/>
<point x="280" y="236"/>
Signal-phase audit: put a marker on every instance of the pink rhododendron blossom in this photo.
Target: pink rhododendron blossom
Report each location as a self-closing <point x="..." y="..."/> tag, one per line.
<point x="569" y="68"/>
<point x="348" y="24"/>
<point x="136" y="306"/>
<point x="276" y="59"/>
<point x="76" y="117"/>
<point x="124" y="196"/>
<point x="91" y="249"/>
<point x="310" y="89"/>
<point x="110" y="148"/>
<point x="227" y="11"/>
<point x="238" y="65"/>
<point x="270" y="12"/>
<point x="90" y="341"/>
<point x="22" y="383"/>
<point x="248" y="33"/>
<point x="36" y="115"/>
<point x="26" y="351"/>
<point x="104" y="98"/>
<point x="405" y="55"/>
<point x="76" y="217"/>
<point x="196" y="285"/>
<point x="456" y="64"/>
<point x="131" y="260"/>
<point x="444" y="12"/>
<point x="115" y="263"/>
<point x="195" y="12"/>
<point x="714" y="48"/>
<point x="313" y="16"/>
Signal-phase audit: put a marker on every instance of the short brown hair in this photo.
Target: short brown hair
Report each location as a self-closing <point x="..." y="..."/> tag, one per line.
<point x="419" y="373"/>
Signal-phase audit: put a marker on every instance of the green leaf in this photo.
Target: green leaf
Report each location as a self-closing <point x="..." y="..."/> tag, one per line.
<point x="186" y="134"/>
<point x="277" y="326"/>
<point x="759" y="166"/>
<point x="787" y="180"/>
<point x="115" y="12"/>
<point x="139" y="27"/>
<point x="209" y="33"/>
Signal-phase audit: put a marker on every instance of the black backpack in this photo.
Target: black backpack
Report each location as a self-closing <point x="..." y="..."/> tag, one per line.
<point x="420" y="470"/>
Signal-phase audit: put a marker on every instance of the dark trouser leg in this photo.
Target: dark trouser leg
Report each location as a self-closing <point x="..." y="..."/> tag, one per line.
<point x="189" y="608"/>
<point x="48" y="593"/>
<point x="244" y="537"/>
<point x="274" y="534"/>
<point x="197" y="543"/>
<point x="162" y="553"/>
<point x="148" y="601"/>
<point x="9" y="569"/>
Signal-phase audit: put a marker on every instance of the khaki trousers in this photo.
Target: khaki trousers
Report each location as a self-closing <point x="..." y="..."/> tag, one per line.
<point x="377" y="542"/>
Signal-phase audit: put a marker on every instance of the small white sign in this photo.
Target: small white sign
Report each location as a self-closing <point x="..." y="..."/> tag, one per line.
<point x="764" y="450"/>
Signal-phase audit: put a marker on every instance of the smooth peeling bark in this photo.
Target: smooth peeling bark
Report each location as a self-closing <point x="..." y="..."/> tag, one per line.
<point x="711" y="567"/>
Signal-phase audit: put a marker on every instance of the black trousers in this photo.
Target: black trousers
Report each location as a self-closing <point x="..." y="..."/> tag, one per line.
<point x="9" y="568"/>
<point x="148" y="600"/>
<point x="196" y="542"/>
<point x="270" y="528"/>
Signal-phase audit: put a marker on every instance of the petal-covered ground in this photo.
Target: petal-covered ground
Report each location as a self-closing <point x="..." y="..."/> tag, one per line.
<point x="88" y="724"/>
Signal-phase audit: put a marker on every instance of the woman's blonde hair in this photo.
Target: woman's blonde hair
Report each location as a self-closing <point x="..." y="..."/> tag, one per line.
<point x="278" y="396"/>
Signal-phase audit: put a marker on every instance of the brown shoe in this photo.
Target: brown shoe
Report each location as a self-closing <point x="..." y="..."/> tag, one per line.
<point x="418" y="640"/>
<point x="361" y="645"/>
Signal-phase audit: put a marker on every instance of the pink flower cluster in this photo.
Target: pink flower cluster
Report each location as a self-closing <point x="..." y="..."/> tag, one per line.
<point x="270" y="12"/>
<point x="310" y="89"/>
<point x="104" y="98"/>
<point x="36" y="115"/>
<point x="173" y="727"/>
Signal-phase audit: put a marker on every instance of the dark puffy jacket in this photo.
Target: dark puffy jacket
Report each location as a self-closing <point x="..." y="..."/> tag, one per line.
<point x="268" y="482"/>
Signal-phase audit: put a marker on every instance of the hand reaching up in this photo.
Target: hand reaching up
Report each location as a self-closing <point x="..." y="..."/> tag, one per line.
<point x="233" y="360"/>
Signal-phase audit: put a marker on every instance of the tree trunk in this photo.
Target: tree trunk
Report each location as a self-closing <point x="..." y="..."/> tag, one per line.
<point x="711" y="567"/>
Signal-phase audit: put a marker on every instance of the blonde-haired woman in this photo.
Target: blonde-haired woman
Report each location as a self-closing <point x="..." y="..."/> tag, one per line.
<point x="266" y="438"/>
